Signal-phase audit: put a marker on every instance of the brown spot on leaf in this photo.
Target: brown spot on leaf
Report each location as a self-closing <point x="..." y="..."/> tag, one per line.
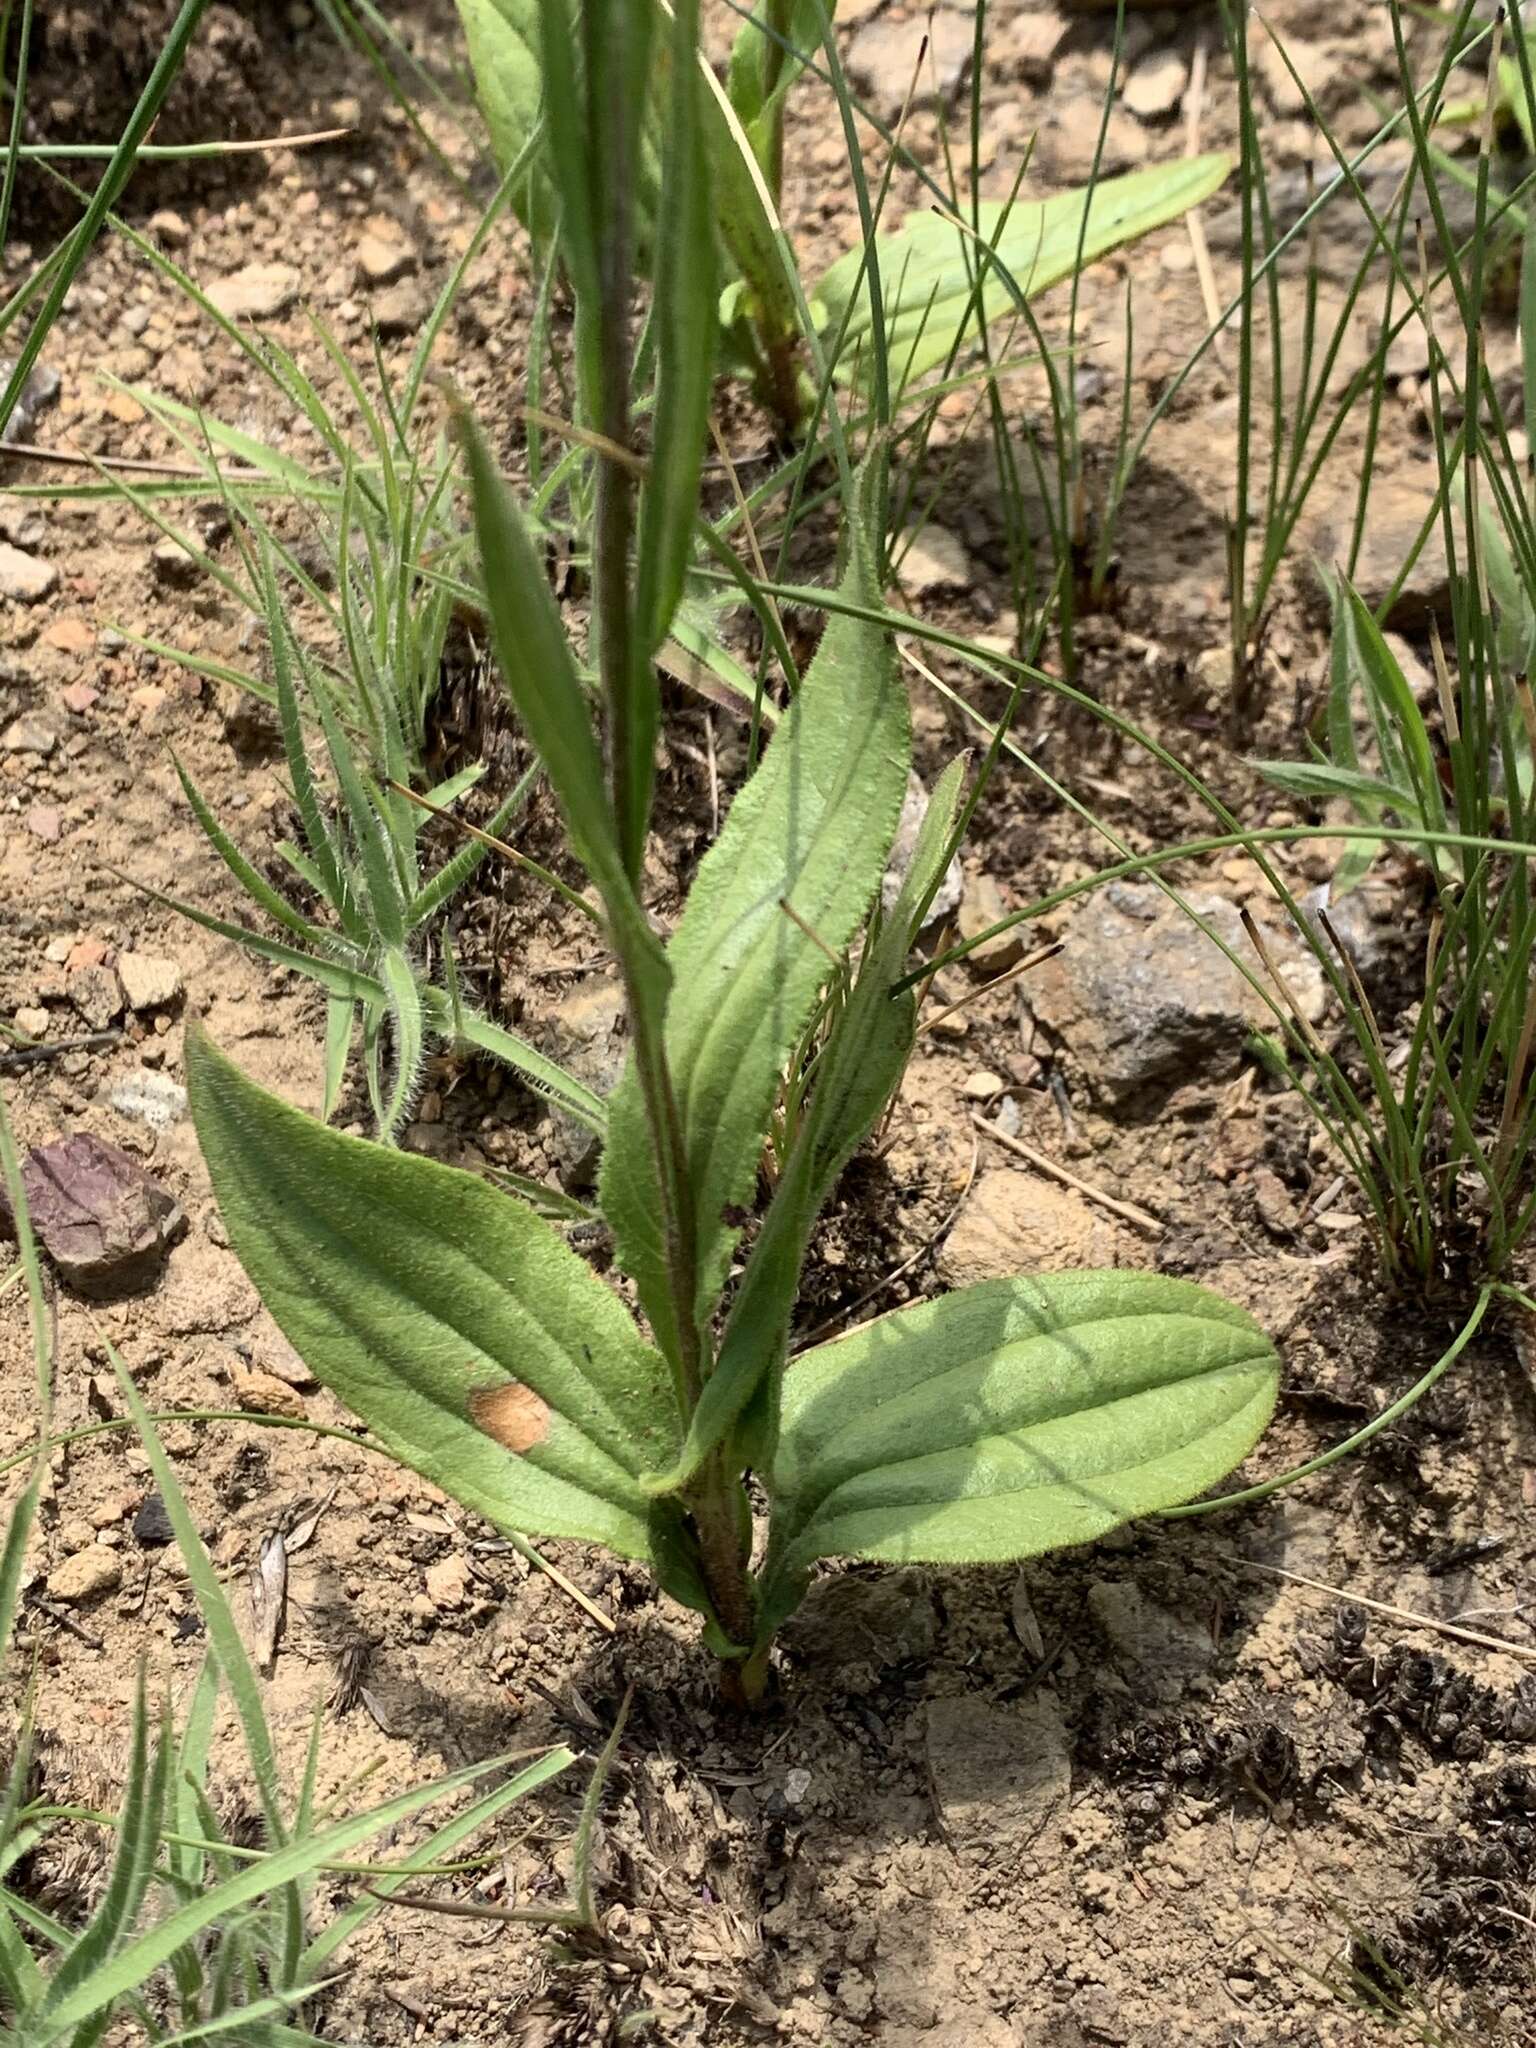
<point x="513" y="1414"/>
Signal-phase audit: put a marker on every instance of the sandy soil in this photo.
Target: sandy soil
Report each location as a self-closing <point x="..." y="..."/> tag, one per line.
<point x="1144" y="1793"/>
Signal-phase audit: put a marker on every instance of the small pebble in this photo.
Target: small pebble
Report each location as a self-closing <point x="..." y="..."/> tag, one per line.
<point x="448" y="1581"/>
<point x="150" y="981"/>
<point x="150" y="1098"/>
<point x="85" y="1577"/>
<point x="983" y="1085"/>
<point x="23" y="578"/>
<point x="262" y="1393"/>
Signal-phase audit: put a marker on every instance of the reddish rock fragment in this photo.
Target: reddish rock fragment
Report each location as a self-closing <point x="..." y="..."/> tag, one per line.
<point x="103" y="1221"/>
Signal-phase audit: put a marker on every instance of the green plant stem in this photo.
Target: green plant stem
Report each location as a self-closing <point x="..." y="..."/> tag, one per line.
<point x="717" y="1504"/>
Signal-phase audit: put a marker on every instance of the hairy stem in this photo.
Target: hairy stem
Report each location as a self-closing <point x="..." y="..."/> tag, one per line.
<point x="723" y="1526"/>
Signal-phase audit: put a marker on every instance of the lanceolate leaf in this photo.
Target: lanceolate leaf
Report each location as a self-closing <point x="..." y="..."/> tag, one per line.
<point x="470" y="1339"/>
<point x="928" y="270"/>
<point x="503" y="40"/>
<point x="858" y="1070"/>
<point x="746" y="213"/>
<point x="812" y="829"/>
<point x="1012" y="1418"/>
<point x="684" y="318"/>
<point x="764" y="65"/>
<point x="546" y="693"/>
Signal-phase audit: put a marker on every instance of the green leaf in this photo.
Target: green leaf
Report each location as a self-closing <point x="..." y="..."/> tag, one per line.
<point x="405" y="1011"/>
<point x="764" y="66"/>
<point x="1406" y="748"/>
<point x="503" y="41"/>
<point x="1012" y="1418"/>
<point x="138" y="1830"/>
<point x="746" y="215"/>
<point x="545" y="1076"/>
<point x="1323" y="780"/>
<point x="340" y="1016"/>
<point x="812" y="828"/>
<point x="928" y="270"/>
<point x="471" y="1340"/>
<point x="385" y="909"/>
<point x="541" y="678"/>
<point x="152" y="1949"/>
<point x="683" y="318"/>
<point x="1516" y="638"/>
<point x="858" y="1070"/>
<point x="255" y="885"/>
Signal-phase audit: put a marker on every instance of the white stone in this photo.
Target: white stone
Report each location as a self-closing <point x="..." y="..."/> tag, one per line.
<point x="23" y="578"/>
<point x="150" y="1098"/>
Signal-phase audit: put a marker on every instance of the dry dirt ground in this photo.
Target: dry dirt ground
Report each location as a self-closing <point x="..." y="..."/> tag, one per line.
<point x="1146" y="1793"/>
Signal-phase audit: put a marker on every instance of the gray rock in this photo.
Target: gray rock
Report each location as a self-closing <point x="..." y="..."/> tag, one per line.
<point x="1158" y="1654"/>
<point x="882" y="58"/>
<point x="173" y="566"/>
<point x="1029" y="42"/>
<point x="1142" y="998"/>
<point x="1002" y="1775"/>
<point x="403" y="308"/>
<point x="1156" y="85"/>
<point x="23" y="524"/>
<point x="1368" y="922"/>
<point x="102" y="1220"/>
<point x="1313" y="63"/>
<point x="172" y="230"/>
<point x="39" y="392"/>
<point x="981" y="907"/>
<point x="1072" y="136"/>
<point x="33" y="733"/>
<point x="95" y="997"/>
<point x="1397" y="512"/>
<point x="149" y="1098"/>
<point x="381" y="259"/>
<point x="947" y="897"/>
<point x="931" y="559"/>
<point x="86" y="1576"/>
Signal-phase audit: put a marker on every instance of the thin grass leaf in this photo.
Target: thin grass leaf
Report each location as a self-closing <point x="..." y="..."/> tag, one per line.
<point x="546" y="693"/>
<point x="140" y="1820"/>
<point x="438" y="1846"/>
<point x="248" y="2018"/>
<point x="149" y="1951"/>
<point x="73" y="251"/>
<point x="224" y="1637"/>
<point x="254" y="884"/>
<point x="457" y="870"/>
<point x="685" y="320"/>
<point x="929" y="267"/>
